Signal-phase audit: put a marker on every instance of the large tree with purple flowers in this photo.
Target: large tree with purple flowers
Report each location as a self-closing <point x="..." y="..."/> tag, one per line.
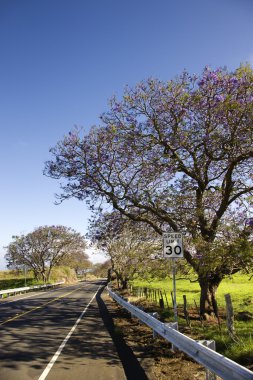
<point x="178" y="156"/>
<point x="43" y="249"/>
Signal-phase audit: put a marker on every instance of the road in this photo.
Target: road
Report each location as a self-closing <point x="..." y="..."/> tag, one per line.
<point x="57" y="335"/>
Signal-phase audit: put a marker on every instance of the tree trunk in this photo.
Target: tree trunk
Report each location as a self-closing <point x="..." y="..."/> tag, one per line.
<point x="48" y="274"/>
<point x="36" y="275"/>
<point x="117" y="278"/>
<point x="208" y="303"/>
<point x="124" y="283"/>
<point x="44" y="277"/>
<point x="109" y="275"/>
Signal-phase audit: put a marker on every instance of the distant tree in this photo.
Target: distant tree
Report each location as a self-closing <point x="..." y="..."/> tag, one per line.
<point x="101" y="269"/>
<point x="43" y="249"/>
<point x="78" y="260"/>
<point x="131" y="247"/>
<point x="178" y="156"/>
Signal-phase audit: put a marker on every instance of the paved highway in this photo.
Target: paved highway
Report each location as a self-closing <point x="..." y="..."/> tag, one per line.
<point x="57" y="335"/>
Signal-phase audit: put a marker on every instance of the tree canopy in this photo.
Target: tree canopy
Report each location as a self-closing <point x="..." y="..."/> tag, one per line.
<point x="43" y="249"/>
<point x="78" y="260"/>
<point x="132" y="248"/>
<point x="177" y="155"/>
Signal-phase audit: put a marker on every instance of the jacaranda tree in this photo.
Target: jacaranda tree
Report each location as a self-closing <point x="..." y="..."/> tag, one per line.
<point x="43" y="249"/>
<point x="178" y="156"/>
<point x="129" y="245"/>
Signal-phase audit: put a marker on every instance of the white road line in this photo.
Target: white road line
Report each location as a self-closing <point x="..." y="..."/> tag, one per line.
<point x="58" y="352"/>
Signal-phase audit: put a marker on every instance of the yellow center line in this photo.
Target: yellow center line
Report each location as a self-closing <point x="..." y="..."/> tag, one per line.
<point x="37" y="307"/>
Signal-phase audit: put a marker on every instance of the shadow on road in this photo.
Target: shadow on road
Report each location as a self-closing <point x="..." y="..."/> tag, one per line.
<point x="29" y="342"/>
<point x="132" y="367"/>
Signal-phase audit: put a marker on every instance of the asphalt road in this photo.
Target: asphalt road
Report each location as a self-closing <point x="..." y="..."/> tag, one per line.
<point x="57" y="335"/>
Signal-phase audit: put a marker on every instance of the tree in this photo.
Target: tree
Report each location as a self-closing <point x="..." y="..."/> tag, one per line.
<point x="78" y="260"/>
<point x="43" y="249"/>
<point x="101" y="269"/>
<point x="178" y="156"/>
<point x="131" y="247"/>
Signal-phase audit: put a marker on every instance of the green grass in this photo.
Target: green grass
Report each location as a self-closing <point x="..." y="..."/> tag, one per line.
<point x="241" y="352"/>
<point x="241" y="291"/>
<point x="239" y="286"/>
<point x="17" y="283"/>
<point x="12" y="279"/>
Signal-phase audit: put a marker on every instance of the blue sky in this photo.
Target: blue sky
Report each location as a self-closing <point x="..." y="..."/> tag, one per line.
<point x="61" y="61"/>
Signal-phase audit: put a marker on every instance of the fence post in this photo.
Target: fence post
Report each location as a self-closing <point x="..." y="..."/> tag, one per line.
<point x="230" y="315"/>
<point x="161" y="301"/>
<point x="186" y="314"/>
<point x="166" y="299"/>
<point x="172" y="298"/>
<point x="198" y="311"/>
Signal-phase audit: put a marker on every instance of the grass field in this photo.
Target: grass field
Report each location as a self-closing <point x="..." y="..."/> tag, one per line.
<point x="241" y="290"/>
<point x="12" y="279"/>
<point x="239" y="286"/>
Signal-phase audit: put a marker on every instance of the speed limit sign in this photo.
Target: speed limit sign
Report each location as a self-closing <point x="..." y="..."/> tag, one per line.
<point x="173" y="245"/>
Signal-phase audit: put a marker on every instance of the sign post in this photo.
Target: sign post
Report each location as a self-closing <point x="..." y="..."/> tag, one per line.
<point x="173" y="249"/>
<point x="25" y="273"/>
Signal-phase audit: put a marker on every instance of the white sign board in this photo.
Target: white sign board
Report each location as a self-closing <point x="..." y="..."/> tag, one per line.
<point x="173" y="245"/>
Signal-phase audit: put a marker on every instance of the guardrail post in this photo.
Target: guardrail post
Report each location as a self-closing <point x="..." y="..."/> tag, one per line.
<point x="173" y="325"/>
<point x="210" y="344"/>
<point x="154" y="315"/>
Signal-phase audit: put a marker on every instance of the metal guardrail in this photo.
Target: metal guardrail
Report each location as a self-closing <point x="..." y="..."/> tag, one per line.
<point x="215" y="362"/>
<point x="27" y="288"/>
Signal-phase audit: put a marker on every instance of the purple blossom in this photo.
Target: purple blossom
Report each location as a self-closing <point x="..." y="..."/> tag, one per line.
<point x="249" y="222"/>
<point x="117" y="107"/>
<point x="201" y="83"/>
<point x="234" y="80"/>
<point x="219" y="98"/>
<point x="213" y="76"/>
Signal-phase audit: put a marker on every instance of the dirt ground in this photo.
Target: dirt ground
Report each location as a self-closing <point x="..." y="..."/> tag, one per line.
<point x="154" y="355"/>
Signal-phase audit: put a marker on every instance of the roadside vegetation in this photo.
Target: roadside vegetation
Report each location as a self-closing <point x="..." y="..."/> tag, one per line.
<point x="238" y="348"/>
<point x="11" y="279"/>
<point x="238" y="285"/>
